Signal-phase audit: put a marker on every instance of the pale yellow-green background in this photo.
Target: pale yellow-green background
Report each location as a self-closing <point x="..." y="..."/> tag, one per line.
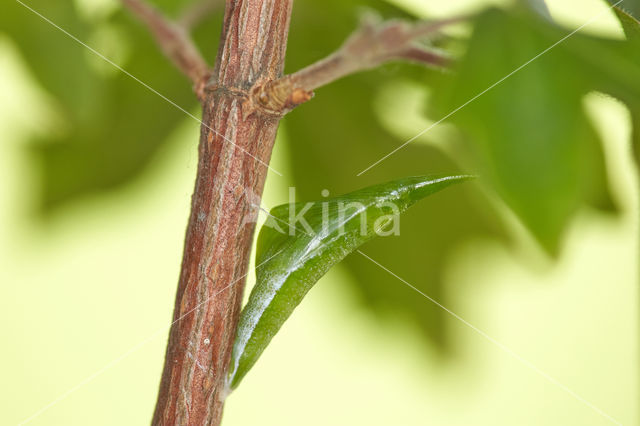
<point x="86" y="299"/>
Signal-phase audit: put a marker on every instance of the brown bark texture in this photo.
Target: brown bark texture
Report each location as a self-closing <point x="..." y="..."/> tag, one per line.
<point x="236" y="140"/>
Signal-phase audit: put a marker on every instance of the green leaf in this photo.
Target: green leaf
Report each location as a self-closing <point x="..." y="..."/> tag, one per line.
<point x="291" y="258"/>
<point x="522" y="84"/>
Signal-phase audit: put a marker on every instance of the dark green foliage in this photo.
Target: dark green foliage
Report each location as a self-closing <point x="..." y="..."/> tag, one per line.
<point x="528" y="136"/>
<point x="115" y="125"/>
<point x="531" y="135"/>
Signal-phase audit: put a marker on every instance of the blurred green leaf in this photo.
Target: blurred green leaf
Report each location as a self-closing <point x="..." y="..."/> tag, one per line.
<point x="114" y="124"/>
<point x="531" y="134"/>
<point x="300" y="242"/>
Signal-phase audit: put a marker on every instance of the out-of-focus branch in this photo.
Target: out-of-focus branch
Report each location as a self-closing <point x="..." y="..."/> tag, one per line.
<point x="197" y="12"/>
<point x="371" y="45"/>
<point x="174" y="41"/>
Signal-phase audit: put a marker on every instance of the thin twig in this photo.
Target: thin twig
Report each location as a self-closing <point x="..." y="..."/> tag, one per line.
<point x="371" y="45"/>
<point x="174" y="41"/>
<point x="197" y="12"/>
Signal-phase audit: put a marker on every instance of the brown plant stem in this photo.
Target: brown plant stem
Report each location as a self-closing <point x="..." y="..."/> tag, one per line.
<point x="218" y="240"/>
